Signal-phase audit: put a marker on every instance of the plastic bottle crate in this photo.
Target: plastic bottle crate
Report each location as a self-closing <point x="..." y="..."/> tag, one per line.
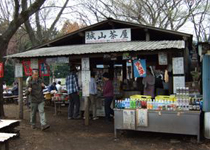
<point x="142" y="97"/>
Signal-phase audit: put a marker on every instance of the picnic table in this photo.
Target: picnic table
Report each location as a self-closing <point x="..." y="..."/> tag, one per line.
<point x="10" y="98"/>
<point x="59" y="100"/>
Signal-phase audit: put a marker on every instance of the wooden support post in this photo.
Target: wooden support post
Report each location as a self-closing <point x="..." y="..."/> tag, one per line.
<point x="147" y="35"/>
<point x="86" y="111"/>
<point x="7" y="145"/>
<point x="20" y="97"/>
<point x="124" y="70"/>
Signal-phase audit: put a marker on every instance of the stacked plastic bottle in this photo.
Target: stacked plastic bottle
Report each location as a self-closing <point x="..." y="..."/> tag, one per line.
<point x="183" y="99"/>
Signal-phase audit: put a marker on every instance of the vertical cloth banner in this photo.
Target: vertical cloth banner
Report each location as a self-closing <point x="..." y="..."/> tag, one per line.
<point x="27" y="67"/>
<point x="139" y="68"/>
<point x="1" y="70"/>
<point x="44" y="69"/>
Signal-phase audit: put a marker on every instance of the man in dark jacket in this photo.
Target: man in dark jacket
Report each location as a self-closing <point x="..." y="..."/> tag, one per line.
<point x="35" y="88"/>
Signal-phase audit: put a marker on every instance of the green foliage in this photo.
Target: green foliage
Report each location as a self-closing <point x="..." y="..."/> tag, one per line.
<point x="61" y="71"/>
<point x="9" y="74"/>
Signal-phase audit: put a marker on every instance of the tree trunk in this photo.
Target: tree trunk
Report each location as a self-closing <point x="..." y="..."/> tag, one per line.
<point x="18" y="19"/>
<point x="4" y="44"/>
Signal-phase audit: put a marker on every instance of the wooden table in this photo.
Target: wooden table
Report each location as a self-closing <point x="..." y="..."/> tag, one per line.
<point x="10" y="98"/>
<point x="57" y="105"/>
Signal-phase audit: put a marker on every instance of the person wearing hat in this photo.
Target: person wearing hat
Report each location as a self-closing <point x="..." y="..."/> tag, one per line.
<point x="108" y="93"/>
<point x="72" y="88"/>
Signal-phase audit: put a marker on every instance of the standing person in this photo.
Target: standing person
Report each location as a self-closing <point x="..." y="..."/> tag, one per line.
<point x="149" y="84"/>
<point x="108" y="93"/>
<point x="72" y="88"/>
<point x="59" y="87"/>
<point x="35" y="87"/>
<point x="93" y="93"/>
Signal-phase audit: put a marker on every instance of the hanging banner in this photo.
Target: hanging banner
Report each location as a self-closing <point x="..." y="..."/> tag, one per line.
<point x="139" y="68"/>
<point x="18" y="70"/>
<point x="44" y="69"/>
<point x="27" y="67"/>
<point x="1" y="70"/>
<point x="34" y="63"/>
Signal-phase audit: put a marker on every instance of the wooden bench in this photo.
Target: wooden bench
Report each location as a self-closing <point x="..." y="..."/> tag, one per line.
<point x="9" y="126"/>
<point x="4" y="140"/>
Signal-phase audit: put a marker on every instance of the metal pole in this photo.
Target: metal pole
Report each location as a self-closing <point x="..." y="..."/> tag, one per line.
<point x="20" y="97"/>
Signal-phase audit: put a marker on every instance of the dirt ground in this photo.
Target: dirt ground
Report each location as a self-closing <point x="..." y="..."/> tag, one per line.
<point x="67" y="134"/>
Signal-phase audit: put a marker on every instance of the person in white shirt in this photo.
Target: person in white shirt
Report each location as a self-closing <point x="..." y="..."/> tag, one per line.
<point x="59" y="87"/>
<point x="93" y="93"/>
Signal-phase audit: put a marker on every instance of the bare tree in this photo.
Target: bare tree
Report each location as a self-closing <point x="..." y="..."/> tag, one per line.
<point x="200" y="18"/>
<point x="37" y="28"/>
<point x="14" y="22"/>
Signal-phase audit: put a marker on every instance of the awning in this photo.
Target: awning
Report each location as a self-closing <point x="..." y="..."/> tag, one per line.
<point x="100" y="48"/>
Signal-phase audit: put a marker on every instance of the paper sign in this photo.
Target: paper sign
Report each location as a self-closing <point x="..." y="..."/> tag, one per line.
<point x="129" y="119"/>
<point x="162" y="58"/>
<point x="85" y="64"/>
<point x="178" y="65"/>
<point x="142" y="117"/>
<point x="139" y="67"/>
<point x="34" y="63"/>
<point x="85" y="83"/>
<point x="18" y="70"/>
<point x="178" y="81"/>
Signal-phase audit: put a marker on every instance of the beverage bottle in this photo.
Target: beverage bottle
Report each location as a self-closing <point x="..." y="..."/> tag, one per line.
<point x="123" y="104"/>
<point x="116" y="104"/>
<point x="131" y="103"/>
<point x="148" y="104"/>
<point x="134" y="103"/>
<point x="126" y="103"/>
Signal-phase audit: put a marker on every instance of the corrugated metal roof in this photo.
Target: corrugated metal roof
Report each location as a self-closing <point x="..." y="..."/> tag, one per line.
<point x="100" y="48"/>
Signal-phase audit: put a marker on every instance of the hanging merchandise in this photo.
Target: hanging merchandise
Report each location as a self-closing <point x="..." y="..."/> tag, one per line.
<point x="1" y="70"/>
<point x="27" y="67"/>
<point x="44" y="69"/>
<point x="139" y="67"/>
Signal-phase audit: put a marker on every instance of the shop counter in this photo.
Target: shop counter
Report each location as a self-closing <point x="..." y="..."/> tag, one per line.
<point x="177" y="122"/>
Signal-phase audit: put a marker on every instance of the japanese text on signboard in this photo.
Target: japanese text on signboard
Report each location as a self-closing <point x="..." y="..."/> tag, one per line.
<point x="114" y="35"/>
